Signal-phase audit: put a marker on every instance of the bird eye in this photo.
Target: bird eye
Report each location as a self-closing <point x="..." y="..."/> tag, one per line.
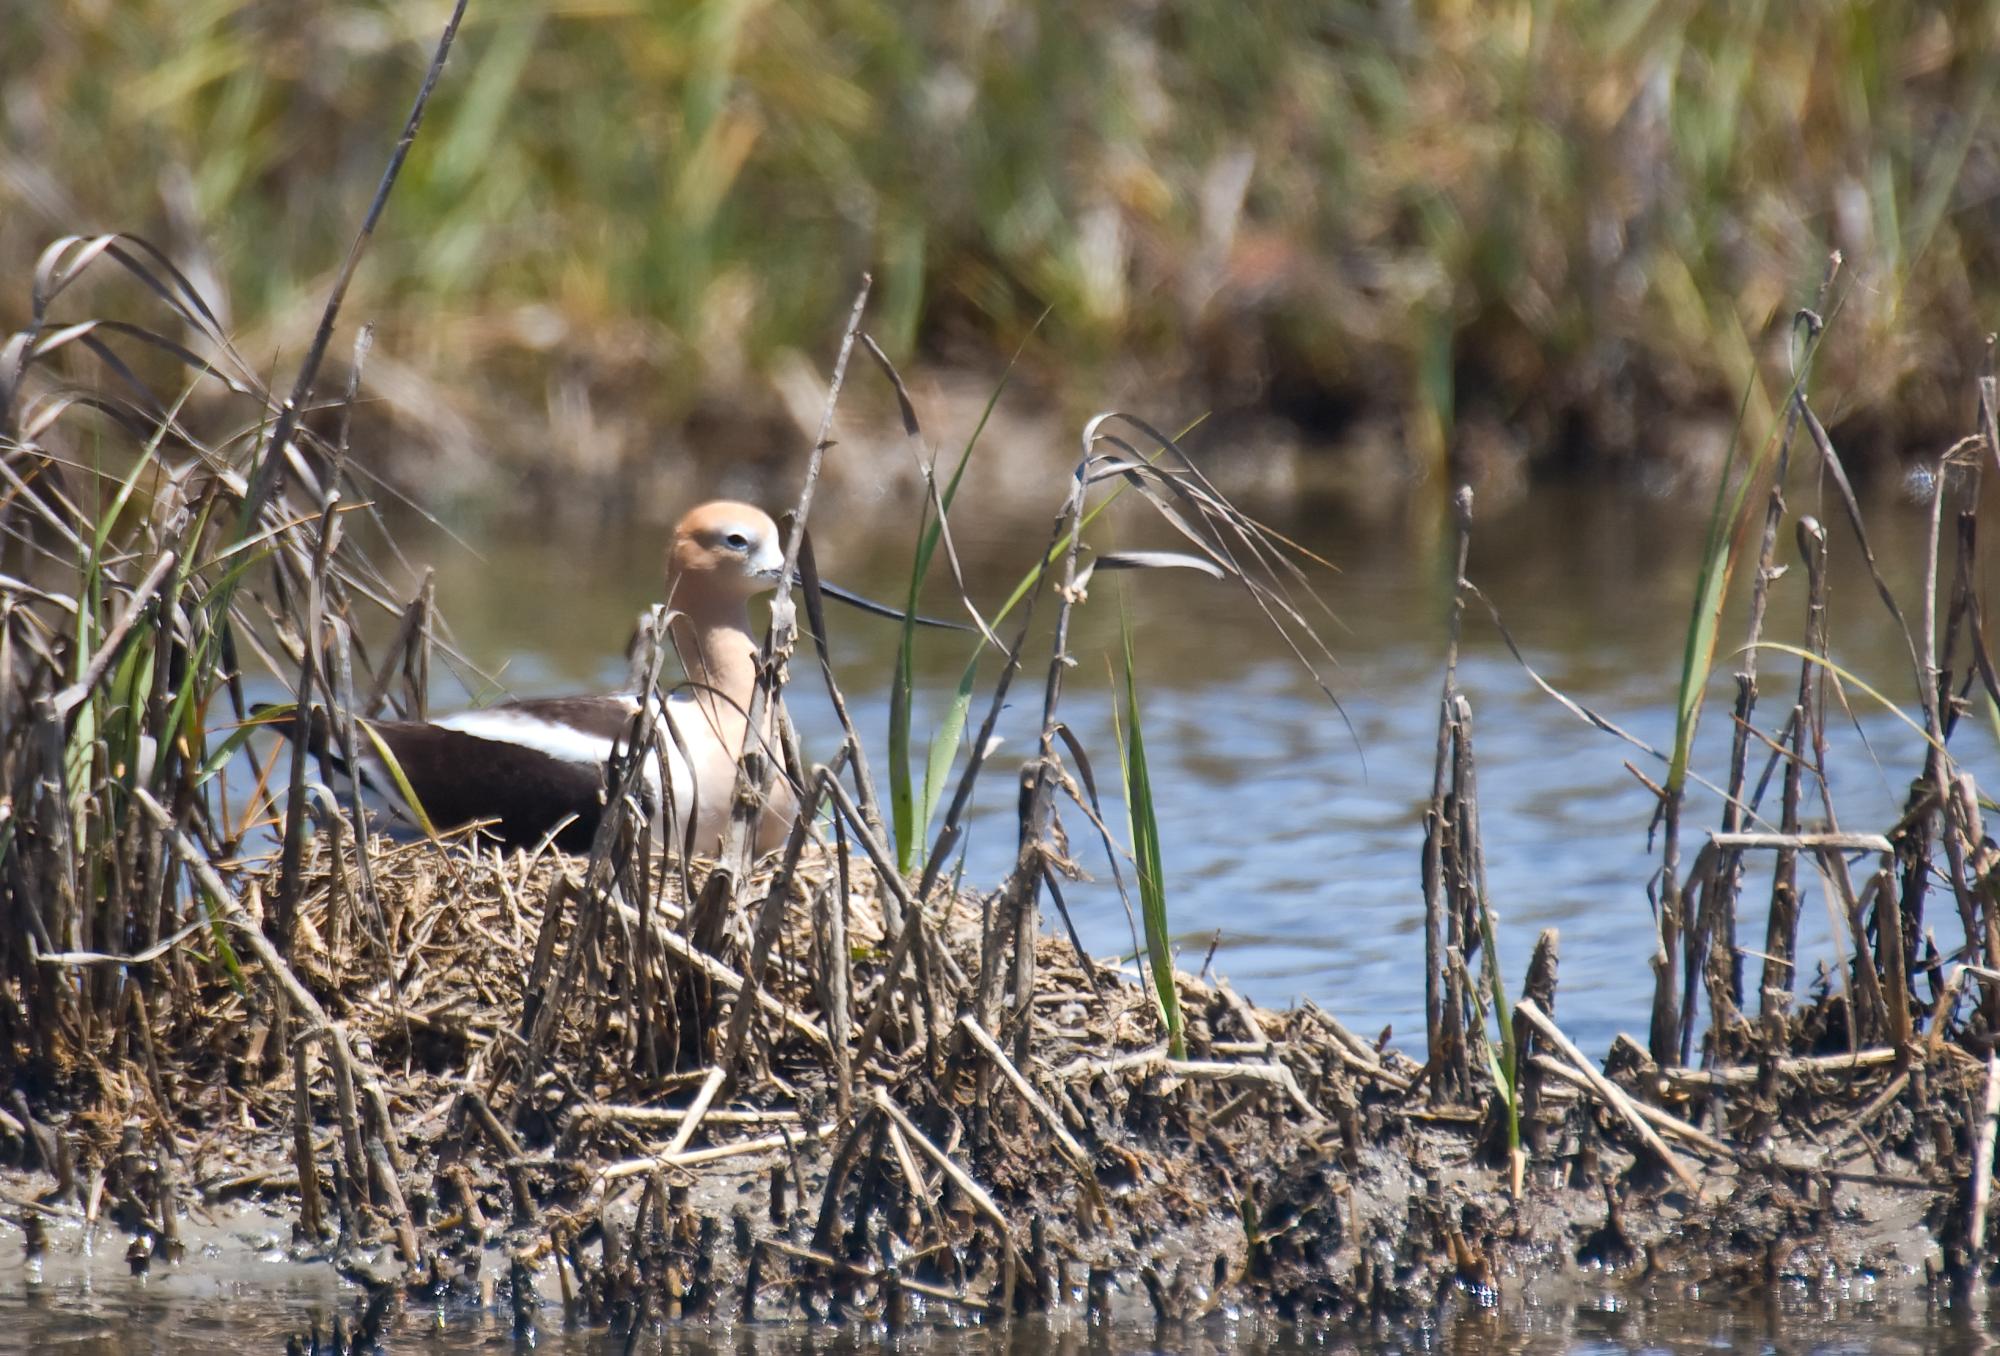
<point x="736" y="541"/>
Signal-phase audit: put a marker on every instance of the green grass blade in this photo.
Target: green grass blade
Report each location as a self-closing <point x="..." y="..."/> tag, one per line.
<point x="902" y="800"/>
<point x="1718" y="564"/>
<point x="912" y="820"/>
<point x="218" y="934"/>
<point x="1506" y="1065"/>
<point x="272" y="718"/>
<point x="403" y="787"/>
<point x="1721" y="550"/>
<point x="1145" y="833"/>
<point x="944" y="745"/>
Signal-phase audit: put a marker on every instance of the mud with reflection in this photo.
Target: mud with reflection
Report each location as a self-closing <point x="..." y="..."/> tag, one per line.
<point x="233" y="1296"/>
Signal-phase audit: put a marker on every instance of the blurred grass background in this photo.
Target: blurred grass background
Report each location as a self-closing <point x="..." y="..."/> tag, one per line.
<point x="1535" y="238"/>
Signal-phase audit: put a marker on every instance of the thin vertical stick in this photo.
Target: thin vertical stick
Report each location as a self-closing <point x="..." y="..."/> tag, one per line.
<point x="1781" y="931"/>
<point x="266" y="475"/>
<point x="346" y="720"/>
<point x="1470" y="910"/>
<point x="1782" y="927"/>
<point x="289" y="864"/>
<point x="752" y="773"/>
<point x="312" y="1211"/>
<point x="768" y="920"/>
<point x="856" y="754"/>
<point x="1012" y="919"/>
<point x="1891" y="953"/>
<point x="830" y="928"/>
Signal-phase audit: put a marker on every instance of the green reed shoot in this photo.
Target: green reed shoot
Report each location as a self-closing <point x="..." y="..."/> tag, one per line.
<point x="1145" y="834"/>
<point x="1722" y="549"/>
<point x="911" y="820"/>
<point x="1719" y="555"/>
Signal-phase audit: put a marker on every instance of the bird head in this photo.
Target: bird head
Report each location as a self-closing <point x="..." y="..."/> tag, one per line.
<point x="723" y="553"/>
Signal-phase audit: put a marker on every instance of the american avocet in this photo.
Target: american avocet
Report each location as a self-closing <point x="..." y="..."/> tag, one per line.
<point x="537" y="766"/>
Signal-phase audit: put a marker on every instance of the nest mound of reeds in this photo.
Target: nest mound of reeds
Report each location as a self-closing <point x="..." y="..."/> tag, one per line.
<point x="574" y="1084"/>
<point x="504" y="1065"/>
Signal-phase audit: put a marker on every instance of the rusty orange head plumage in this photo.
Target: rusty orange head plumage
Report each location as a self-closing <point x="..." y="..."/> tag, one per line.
<point x="723" y="553"/>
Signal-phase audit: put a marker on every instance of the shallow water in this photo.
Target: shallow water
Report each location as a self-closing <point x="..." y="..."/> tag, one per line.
<point x="88" y="1306"/>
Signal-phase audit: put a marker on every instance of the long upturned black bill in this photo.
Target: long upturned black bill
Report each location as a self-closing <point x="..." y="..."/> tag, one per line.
<point x="857" y="601"/>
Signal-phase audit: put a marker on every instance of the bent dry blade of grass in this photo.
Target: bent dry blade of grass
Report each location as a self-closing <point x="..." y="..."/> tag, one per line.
<point x="1849" y="679"/>
<point x="1144" y="831"/>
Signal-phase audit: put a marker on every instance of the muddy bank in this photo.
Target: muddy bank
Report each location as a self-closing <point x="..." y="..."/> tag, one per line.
<point x="503" y="1121"/>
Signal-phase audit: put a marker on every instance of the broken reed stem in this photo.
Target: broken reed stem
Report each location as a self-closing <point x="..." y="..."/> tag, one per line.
<point x="722" y="975"/>
<point x="852" y="746"/>
<point x="714" y="1153"/>
<point x="591" y="905"/>
<point x="1982" y="1170"/>
<point x="312" y="1211"/>
<point x="1079" y="1159"/>
<point x="1727" y="879"/>
<point x="1781" y="931"/>
<point x="913" y="924"/>
<point x="1804" y="842"/>
<point x="1782" y="925"/>
<point x="1966" y="831"/>
<point x="343" y="710"/>
<point x="1011" y="921"/>
<point x="408" y="652"/>
<point x="982" y="745"/>
<point x="609" y="849"/>
<point x="1439" y="1047"/>
<point x="1872" y="1024"/>
<point x="964" y="1181"/>
<point x="1971" y="864"/>
<point x="1956" y="829"/>
<point x="835" y="973"/>
<point x="1472" y="863"/>
<point x="1539" y="986"/>
<point x="1663" y="1121"/>
<point x="1664" y="1029"/>
<point x="768" y="920"/>
<point x="1891" y="955"/>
